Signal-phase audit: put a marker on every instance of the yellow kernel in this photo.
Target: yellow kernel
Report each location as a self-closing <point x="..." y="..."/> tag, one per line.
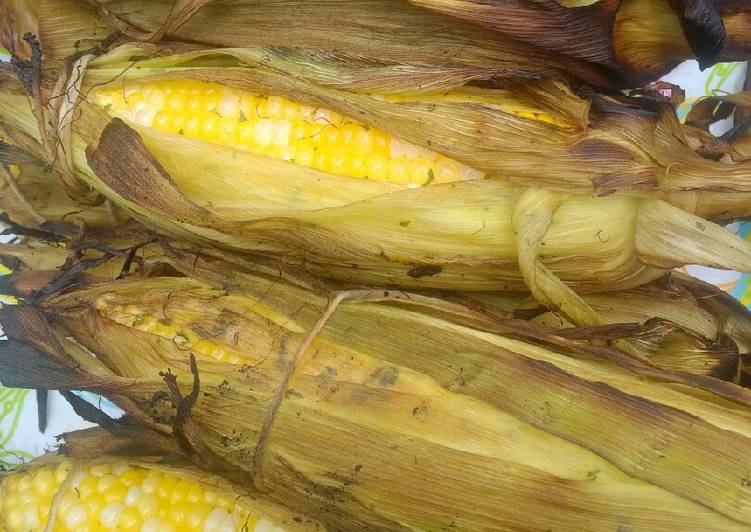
<point x="24" y="483"/>
<point x="349" y="134"/>
<point x="115" y="493"/>
<point x="177" y="513"/>
<point x="106" y="482"/>
<point x="363" y="140"/>
<point x="179" y="492"/>
<point x="287" y="152"/>
<point x="162" y="121"/>
<point x="165" y="486"/>
<point x="94" y="507"/>
<point x="246" y="133"/>
<point x="376" y="167"/>
<point x="330" y="136"/>
<point x="195" y="493"/>
<point x="274" y="106"/>
<point x="320" y="160"/>
<point x="44" y="482"/>
<point x="398" y="171"/>
<point x="148" y="505"/>
<point x="130" y="477"/>
<point x="304" y="155"/>
<point x="248" y="103"/>
<point x="176" y="102"/>
<point x="151" y="483"/>
<point x="87" y="487"/>
<point x="421" y="171"/>
<point x="337" y="164"/>
<point x="194" y="104"/>
<point x="130" y="519"/>
<point x="227" y="132"/>
<point x="357" y="166"/>
<point x="209" y="126"/>
<point x="192" y="126"/>
<point x="196" y="516"/>
<point x="381" y="143"/>
<point x="211" y="100"/>
<point x="291" y="111"/>
<point x="301" y="131"/>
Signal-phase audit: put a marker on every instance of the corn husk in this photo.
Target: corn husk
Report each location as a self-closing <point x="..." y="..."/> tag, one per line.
<point x="407" y="413"/>
<point x="642" y="37"/>
<point x="676" y="322"/>
<point x="32" y="196"/>
<point x="86" y="449"/>
<point x="368" y="231"/>
<point x="610" y="43"/>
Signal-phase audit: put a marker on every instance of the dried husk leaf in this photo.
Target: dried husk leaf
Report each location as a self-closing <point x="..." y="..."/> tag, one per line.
<point x="375" y="31"/>
<point x="370" y="415"/>
<point x="36" y="196"/>
<point x="640" y="40"/>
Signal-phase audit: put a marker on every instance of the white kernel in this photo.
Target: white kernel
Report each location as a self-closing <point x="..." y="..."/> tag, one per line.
<point x="411" y="151"/>
<point x="215" y="520"/>
<point x="229" y="105"/>
<point x="263" y="131"/>
<point x="110" y="515"/>
<point x="470" y="173"/>
<point x="427" y="154"/>
<point x="76" y="517"/>
<point x="30" y="517"/>
<point x="282" y="130"/>
<point x="119" y="469"/>
<point x="133" y="495"/>
<point x="263" y="525"/>
<point x="228" y="525"/>
<point x="77" y="478"/>
<point x="145" y="117"/>
<point x="396" y="148"/>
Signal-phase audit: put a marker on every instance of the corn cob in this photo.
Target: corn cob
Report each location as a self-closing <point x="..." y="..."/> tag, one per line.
<point x="60" y="494"/>
<point x="279" y="128"/>
<point x="367" y="417"/>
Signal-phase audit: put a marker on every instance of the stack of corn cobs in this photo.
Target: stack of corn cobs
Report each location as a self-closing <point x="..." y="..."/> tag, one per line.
<point x="376" y="264"/>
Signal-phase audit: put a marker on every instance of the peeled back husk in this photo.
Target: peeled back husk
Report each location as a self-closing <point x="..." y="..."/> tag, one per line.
<point x="405" y="413"/>
<point x="612" y="43"/>
<point x="643" y="38"/>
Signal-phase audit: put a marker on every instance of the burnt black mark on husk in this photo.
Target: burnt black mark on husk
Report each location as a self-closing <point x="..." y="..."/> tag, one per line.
<point x="385" y="375"/>
<point x="426" y="270"/>
<point x="703" y="28"/>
